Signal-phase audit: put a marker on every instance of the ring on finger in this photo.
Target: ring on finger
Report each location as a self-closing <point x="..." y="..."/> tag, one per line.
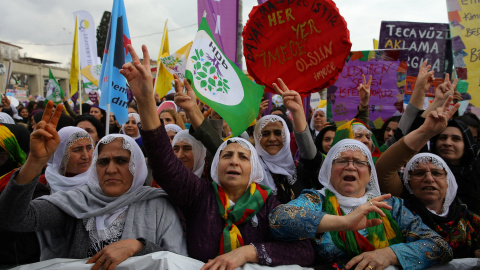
<point x="100" y="261"/>
<point x="370" y="267"/>
<point x="371" y="205"/>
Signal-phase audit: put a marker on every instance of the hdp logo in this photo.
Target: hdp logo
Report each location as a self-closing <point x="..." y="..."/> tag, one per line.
<point x="83" y="25"/>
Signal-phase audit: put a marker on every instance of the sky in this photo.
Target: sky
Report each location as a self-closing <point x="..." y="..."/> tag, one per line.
<point x="44" y="28"/>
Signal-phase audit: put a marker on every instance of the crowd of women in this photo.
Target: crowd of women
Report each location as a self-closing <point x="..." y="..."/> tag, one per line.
<point x="289" y="190"/>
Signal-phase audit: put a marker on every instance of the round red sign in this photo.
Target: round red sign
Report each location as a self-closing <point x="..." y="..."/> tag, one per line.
<point x="304" y="42"/>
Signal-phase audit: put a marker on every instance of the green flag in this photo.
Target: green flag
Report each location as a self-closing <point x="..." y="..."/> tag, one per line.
<point x="220" y="84"/>
<point x="54" y="91"/>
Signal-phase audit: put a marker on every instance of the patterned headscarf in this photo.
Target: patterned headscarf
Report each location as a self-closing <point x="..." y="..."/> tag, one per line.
<point x="424" y="158"/>
<point x="9" y="143"/>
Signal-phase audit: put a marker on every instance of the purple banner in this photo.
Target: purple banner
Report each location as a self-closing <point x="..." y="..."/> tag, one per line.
<point x="385" y="90"/>
<point x="222" y="17"/>
<point x="424" y="41"/>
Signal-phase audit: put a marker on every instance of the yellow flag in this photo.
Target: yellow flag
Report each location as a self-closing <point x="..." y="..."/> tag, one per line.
<point x="75" y="64"/>
<point x="375" y="44"/>
<point x="163" y="80"/>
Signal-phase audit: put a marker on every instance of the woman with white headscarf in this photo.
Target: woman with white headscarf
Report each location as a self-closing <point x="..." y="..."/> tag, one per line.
<point x="429" y="189"/>
<point x="190" y="151"/>
<point x="6" y="118"/>
<point x="318" y="121"/>
<point x="68" y="167"/>
<point x="130" y="128"/>
<point x="172" y="130"/>
<point x="352" y="223"/>
<point x="227" y="216"/>
<point x="111" y="218"/>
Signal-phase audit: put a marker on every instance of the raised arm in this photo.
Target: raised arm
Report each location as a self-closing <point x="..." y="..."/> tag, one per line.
<point x="364" y="94"/>
<point x="293" y="102"/>
<point x="422" y="84"/>
<point x="180" y="183"/>
<point x="398" y="154"/>
<point x="442" y="92"/>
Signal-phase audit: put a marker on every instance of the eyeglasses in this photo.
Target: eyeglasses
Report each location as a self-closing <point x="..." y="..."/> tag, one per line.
<point x="356" y="163"/>
<point x="420" y="174"/>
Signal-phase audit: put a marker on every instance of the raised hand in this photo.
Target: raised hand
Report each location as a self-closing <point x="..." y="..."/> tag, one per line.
<point x="138" y="75"/>
<point x="424" y="78"/>
<point x="364" y="90"/>
<point x="44" y="140"/>
<point x="291" y="98"/>
<point x="446" y="89"/>
<point x="357" y="219"/>
<point x="263" y="107"/>
<point x="6" y="102"/>
<point x="437" y="120"/>
<point x="188" y="100"/>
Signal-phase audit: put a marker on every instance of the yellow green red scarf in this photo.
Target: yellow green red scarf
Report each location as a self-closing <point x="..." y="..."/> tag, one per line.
<point x="352" y="242"/>
<point x="10" y="144"/>
<point x="244" y="209"/>
<point x="345" y="131"/>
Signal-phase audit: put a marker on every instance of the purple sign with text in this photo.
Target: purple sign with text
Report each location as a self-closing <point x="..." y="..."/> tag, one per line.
<point x="222" y="17"/>
<point x="385" y="91"/>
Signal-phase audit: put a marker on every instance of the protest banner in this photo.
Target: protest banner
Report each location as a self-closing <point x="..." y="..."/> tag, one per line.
<point x="464" y="18"/>
<point x="386" y="91"/>
<point x="423" y="41"/>
<point x="304" y="44"/>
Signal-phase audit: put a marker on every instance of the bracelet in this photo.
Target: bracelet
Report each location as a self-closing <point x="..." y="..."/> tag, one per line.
<point x="363" y="107"/>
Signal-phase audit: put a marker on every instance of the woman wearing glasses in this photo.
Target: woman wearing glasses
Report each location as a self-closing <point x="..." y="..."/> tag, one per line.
<point x="351" y="223"/>
<point x="429" y="189"/>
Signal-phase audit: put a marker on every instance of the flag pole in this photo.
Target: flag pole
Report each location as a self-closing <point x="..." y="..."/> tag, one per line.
<point x="80" y="91"/>
<point x="107" y="120"/>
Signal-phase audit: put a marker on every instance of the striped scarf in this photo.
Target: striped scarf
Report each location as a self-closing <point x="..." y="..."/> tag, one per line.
<point x="9" y="143"/>
<point x="352" y="242"/>
<point x="244" y="209"/>
<point x="345" y="131"/>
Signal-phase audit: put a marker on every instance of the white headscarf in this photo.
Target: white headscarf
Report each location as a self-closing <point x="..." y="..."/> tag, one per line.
<point x="348" y="204"/>
<point x="57" y="165"/>
<point x="173" y="127"/>
<point x="281" y="163"/>
<point x="256" y="170"/>
<point x="135" y="116"/>
<point x="312" y="120"/>
<point x="136" y="166"/>
<point x="6" y="118"/>
<point x="438" y="162"/>
<point x="199" y="151"/>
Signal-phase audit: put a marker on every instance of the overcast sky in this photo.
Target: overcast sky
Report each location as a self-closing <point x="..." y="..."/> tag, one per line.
<point x="49" y="24"/>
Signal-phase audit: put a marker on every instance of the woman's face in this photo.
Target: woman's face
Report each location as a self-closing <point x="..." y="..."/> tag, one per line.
<point x="234" y="166"/>
<point x="97" y="113"/>
<point x="112" y="119"/>
<point x="167" y="118"/>
<point x="183" y="114"/>
<point x="184" y="152"/>
<point x="319" y="120"/>
<point x="272" y="141"/>
<point x="131" y="128"/>
<point x="114" y="177"/>
<point x="33" y="123"/>
<point x="171" y="134"/>
<point x="428" y="183"/>
<point x="80" y="157"/>
<point x="390" y="130"/>
<point x="349" y="179"/>
<point x="90" y="128"/>
<point x="23" y="113"/>
<point x="450" y="145"/>
<point x="365" y="137"/>
<point x="328" y="140"/>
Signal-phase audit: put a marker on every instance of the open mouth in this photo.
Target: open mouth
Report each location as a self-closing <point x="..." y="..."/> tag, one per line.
<point x="429" y="188"/>
<point x="349" y="178"/>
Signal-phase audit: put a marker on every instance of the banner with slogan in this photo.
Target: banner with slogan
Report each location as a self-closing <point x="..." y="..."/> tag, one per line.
<point x="423" y="41"/>
<point x="464" y="18"/>
<point x="87" y="45"/>
<point x="305" y="45"/>
<point x="220" y="84"/>
<point x="386" y="90"/>
<point x="222" y="17"/>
